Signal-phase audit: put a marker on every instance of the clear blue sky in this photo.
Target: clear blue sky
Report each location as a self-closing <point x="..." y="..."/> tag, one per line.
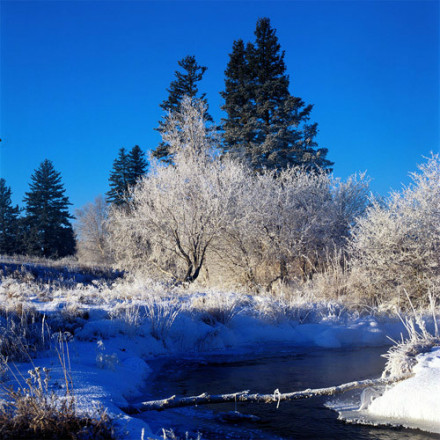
<point x="81" y="79"/>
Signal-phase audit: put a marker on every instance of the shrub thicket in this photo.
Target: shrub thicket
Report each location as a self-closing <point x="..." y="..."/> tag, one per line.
<point x="217" y="218"/>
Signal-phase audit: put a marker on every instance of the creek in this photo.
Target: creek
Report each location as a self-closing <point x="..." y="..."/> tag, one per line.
<point x="263" y="372"/>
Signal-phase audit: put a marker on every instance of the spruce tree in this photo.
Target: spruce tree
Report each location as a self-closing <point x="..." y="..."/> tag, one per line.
<point x="239" y="128"/>
<point x="119" y="179"/>
<point x="137" y="165"/>
<point x="185" y="84"/>
<point x="48" y="231"/>
<point x="126" y="171"/>
<point x="266" y="126"/>
<point x="9" y="222"/>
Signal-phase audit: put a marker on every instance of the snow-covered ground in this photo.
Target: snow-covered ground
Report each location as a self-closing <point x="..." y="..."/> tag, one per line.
<point x="114" y="330"/>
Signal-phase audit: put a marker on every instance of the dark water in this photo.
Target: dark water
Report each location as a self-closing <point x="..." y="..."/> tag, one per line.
<point x="303" y="419"/>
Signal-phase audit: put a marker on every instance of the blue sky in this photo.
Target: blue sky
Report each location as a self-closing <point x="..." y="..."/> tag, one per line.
<point x="81" y="79"/>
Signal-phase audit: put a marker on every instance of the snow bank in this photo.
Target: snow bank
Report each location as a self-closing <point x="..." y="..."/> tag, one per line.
<point x="411" y="403"/>
<point x="414" y="402"/>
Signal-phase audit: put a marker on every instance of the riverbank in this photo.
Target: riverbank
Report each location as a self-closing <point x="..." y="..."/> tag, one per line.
<point x="112" y="331"/>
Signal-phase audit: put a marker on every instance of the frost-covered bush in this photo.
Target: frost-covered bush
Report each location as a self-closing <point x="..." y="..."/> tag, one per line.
<point x="177" y="213"/>
<point x="397" y="245"/>
<point x="284" y="224"/>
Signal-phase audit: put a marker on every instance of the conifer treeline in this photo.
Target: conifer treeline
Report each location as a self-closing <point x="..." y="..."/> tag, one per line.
<point x="44" y="229"/>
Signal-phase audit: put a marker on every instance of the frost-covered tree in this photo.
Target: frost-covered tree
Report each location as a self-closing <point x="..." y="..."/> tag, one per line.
<point x="48" y="231"/>
<point x="92" y="232"/>
<point x="397" y="245"/>
<point x="185" y="84"/>
<point x="176" y="213"/>
<point x="266" y="126"/>
<point x="9" y="222"/>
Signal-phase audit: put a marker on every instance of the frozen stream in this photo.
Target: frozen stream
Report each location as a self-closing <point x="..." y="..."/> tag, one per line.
<point x="264" y="372"/>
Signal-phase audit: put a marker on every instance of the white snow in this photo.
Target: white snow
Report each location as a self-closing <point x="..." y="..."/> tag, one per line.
<point x="414" y="402"/>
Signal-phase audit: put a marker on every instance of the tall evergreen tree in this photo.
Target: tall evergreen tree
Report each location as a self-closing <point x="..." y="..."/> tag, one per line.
<point x="185" y="84"/>
<point x="48" y="229"/>
<point x="266" y="126"/>
<point x="126" y="171"/>
<point x="9" y="222"/>
<point x="239" y="128"/>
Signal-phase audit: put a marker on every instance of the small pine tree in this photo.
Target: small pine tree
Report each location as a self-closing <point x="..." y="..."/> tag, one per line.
<point x="185" y="84"/>
<point x="266" y="126"/>
<point x="48" y="231"/>
<point x="9" y="222"/>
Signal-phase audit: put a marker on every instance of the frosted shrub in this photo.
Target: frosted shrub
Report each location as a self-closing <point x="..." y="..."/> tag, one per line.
<point x="282" y="226"/>
<point x="397" y="245"/>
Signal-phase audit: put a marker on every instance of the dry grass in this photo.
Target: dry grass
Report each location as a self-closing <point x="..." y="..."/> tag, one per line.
<point x="401" y="357"/>
<point x="218" y="307"/>
<point x="162" y="315"/>
<point x="22" y="332"/>
<point x="34" y="411"/>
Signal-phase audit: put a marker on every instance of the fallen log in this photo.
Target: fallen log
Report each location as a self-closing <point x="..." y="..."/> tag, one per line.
<point x="245" y="396"/>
